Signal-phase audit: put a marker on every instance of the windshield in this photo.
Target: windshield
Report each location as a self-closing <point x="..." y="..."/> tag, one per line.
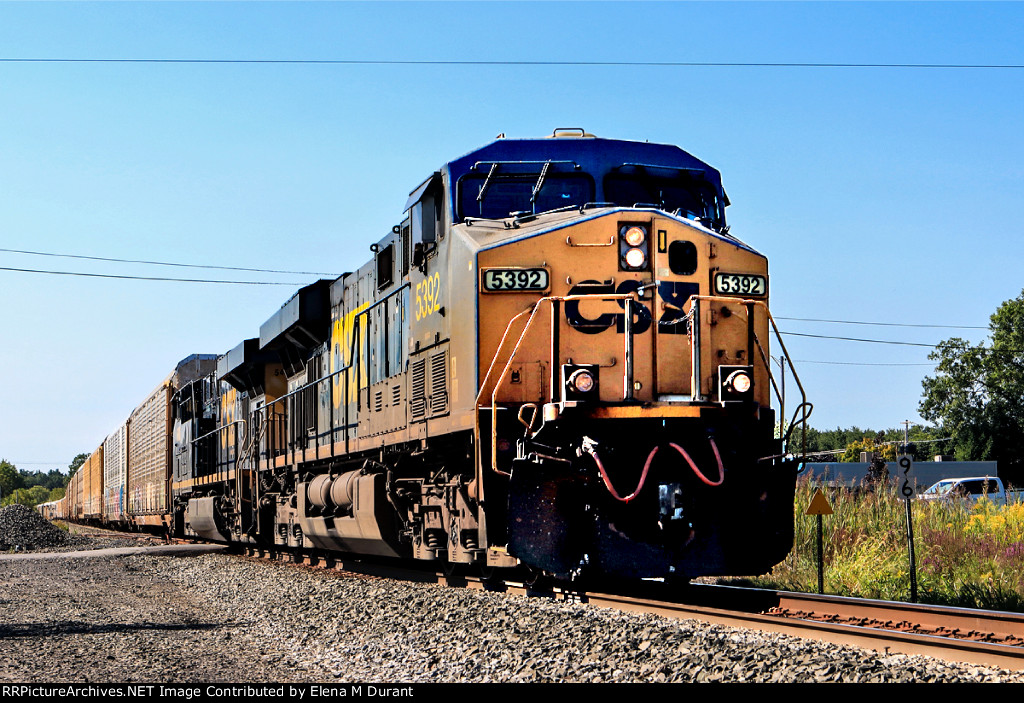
<point x="680" y="192"/>
<point x="941" y="488"/>
<point x="505" y="194"/>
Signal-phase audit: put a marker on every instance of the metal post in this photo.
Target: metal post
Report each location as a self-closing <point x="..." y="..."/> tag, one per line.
<point x="908" y="492"/>
<point x="627" y="376"/>
<point x="556" y="313"/>
<point x="344" y="400"/>
<point x="782" y="397"/>
<point x="821" y="559"/>
<point x="358" y="360"/>
<point x="750" y="333"/>
<point x="695" y="351"/>
<point x="910" y="548"/>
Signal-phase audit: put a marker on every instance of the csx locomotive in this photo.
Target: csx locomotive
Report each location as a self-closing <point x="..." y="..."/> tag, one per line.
<point x="558" y="360"/>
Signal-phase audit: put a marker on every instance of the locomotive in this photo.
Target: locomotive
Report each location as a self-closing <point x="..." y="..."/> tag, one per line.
<point x="558" y="360"/>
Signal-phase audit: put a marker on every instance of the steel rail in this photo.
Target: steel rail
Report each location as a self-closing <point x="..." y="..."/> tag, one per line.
<point x="943" y="632"/>
<point x="795" y="614"/>
<point x="872" y="635"/>
<point x="808" y="616"/>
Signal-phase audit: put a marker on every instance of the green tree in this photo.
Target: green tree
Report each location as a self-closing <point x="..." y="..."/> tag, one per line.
<point x="53" y="478"/>
<point x="10" y="478"/>
<point x="75" y="463"/>
<point x="977" y="393"/>
<point x="870" y="445"/>
<point x="30" y="497"/>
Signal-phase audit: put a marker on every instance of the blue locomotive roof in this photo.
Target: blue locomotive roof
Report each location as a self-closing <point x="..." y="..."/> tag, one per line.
<point x="582" y="157"/>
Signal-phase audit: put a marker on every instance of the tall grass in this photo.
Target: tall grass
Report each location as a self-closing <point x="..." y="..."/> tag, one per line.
<point x="969" y="556"/>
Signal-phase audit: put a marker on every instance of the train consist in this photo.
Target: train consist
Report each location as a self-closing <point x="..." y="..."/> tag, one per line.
<point x="558" y="360"/>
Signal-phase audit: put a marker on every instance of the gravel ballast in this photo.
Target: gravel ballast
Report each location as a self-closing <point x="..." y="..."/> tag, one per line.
<point x="223" y="618"/>
<point x="23" y="529"/>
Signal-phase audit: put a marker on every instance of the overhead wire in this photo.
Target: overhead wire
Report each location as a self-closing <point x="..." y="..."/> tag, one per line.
<point x="857" y="339"/>
<point x="151" y="278"/>
<point x="889" y="341"/>
<point x="422" y="62"/>
<point x="879" y="324"/>
<point x="856" y="363"/>
<point x="165" y="263"/>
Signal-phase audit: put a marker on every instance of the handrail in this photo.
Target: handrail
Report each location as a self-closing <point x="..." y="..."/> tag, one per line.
<point x="354" y="360"/>
<point x="351" y="349"/>
<point x="219" y="429"/>
<point x="532" y="311"/>
<point x="804" y="408"/>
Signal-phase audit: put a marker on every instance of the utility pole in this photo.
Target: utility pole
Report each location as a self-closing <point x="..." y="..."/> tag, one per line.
<point x="782" y="399"/>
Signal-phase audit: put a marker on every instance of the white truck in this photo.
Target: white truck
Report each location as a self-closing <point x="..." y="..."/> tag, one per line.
<point x="970" y="490"/>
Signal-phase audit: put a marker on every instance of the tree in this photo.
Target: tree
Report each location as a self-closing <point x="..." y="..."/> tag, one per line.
<point x="53" y="478"/>
<point x="30" y="497"/>
<point x="977" y="393"/>
<point x="77" y="462"/>
<point x="10" y="478"/>
<point x="869" y="445"/>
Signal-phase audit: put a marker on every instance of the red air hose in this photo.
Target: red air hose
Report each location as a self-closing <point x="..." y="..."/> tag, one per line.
<point x="647" y="466"/>
<point x="702" y="477"/>
<point x="608" y="481"/>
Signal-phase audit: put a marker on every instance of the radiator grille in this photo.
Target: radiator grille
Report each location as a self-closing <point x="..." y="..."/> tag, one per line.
<point x="439" y="383"/>
<point x="418" y="392"/>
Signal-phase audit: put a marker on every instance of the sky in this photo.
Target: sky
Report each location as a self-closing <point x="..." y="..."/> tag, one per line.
<point x="879" y="194"/>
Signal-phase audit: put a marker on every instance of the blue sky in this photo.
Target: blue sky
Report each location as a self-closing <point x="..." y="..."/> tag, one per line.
<point x="879" y="194"/>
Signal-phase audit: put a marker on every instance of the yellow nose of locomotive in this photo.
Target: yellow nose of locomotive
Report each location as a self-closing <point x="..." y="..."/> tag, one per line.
<point x="599" y="266"/>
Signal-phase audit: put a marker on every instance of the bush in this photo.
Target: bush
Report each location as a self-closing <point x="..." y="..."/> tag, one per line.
<point x="970" y="557"/>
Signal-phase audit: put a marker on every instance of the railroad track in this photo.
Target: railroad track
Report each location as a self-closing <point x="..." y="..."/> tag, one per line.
<point x="966" y="635"/>
<point x="981" y="637"/>
<point x="952" y="634"/>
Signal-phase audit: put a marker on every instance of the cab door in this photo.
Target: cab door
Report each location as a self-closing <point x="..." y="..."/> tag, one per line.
<point x="677" y="270"/>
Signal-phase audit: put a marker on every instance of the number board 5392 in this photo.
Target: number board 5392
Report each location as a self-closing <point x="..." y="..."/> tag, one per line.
<point x="740" y="284"/>
<point x="514" y="280"/>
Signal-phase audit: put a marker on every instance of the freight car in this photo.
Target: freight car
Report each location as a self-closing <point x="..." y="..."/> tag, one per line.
<point x="557" y="360"/>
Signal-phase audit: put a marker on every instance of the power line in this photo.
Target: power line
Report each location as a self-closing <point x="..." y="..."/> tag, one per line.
<point x="150" y="278"/>
<point x="415" y="62"/>
<point x="880" y="444"/>
<point x="855" y="339"/>
<point x="905" y="344"/>
<point x="165" y="263"/>
<point x="853" y="363"/>
<point x="881" y="324"/>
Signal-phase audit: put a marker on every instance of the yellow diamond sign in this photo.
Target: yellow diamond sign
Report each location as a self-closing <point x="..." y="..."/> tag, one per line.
<point x="819" y="504"/>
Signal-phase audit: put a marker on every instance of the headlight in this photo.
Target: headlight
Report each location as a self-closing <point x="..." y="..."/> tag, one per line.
<point x="739" y="381"/>
<point x="735" y="383"/>
<point x="582" y="381"/>
<point x="635" y="236"/>
<point x="633" y="246"/>
<point x="635" y="258"/>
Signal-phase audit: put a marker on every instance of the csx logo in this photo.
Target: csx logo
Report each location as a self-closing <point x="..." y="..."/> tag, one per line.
<point x="675" y="293"/>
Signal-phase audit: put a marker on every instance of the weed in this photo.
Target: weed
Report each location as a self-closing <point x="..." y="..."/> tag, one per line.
<point x="965" y="556"/>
